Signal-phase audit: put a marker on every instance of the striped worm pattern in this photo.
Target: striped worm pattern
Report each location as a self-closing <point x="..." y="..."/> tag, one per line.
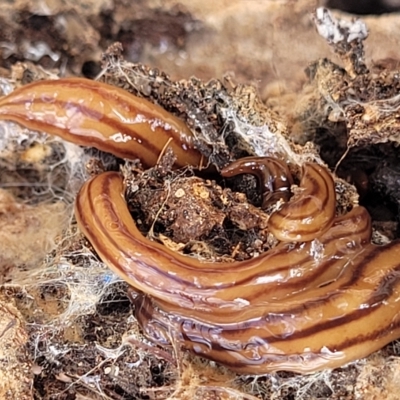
<point x="309" y="214"/>
<point x="322" y="297"/>
<point x="273" y="175"/>
<point x="95" y="114"/>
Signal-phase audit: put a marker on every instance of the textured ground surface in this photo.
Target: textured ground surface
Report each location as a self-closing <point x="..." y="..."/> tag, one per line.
<point x="67" y="329"/>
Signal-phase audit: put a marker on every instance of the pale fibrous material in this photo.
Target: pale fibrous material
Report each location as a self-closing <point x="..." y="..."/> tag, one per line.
<point x="293" y="309"/>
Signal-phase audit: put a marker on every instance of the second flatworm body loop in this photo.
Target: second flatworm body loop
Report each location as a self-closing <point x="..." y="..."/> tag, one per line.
<point x="322" y="297"/>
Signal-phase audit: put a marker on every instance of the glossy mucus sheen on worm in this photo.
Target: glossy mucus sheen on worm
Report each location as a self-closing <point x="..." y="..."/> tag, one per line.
<point x="311" y="211"/>
<point x="322" y="297"/>
<point x="273" y="176"/>
<point x="299" y="307"/>
<point x="99" y="115"/>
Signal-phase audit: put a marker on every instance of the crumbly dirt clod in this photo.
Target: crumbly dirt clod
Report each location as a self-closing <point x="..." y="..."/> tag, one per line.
<point x="197" y="216"/>
<point x="69" y="331"/>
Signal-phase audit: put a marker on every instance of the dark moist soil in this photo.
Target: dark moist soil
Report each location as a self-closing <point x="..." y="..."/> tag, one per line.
<point x="103" y="353"/>
<point x="83" y="350"/>
<point x="74" y="32"/>
<point x="226" y="224"/>
<point x="198" y="216"/>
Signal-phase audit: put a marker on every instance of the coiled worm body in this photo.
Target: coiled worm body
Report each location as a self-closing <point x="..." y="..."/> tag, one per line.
<point x="273" y="175"/>
<point x="311" y="212"/>
<point x="289" y="309"/>
<point x="322" y="297"/>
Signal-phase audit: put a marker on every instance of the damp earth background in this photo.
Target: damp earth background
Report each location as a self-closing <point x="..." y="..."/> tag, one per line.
<point x="67" y="329"/>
